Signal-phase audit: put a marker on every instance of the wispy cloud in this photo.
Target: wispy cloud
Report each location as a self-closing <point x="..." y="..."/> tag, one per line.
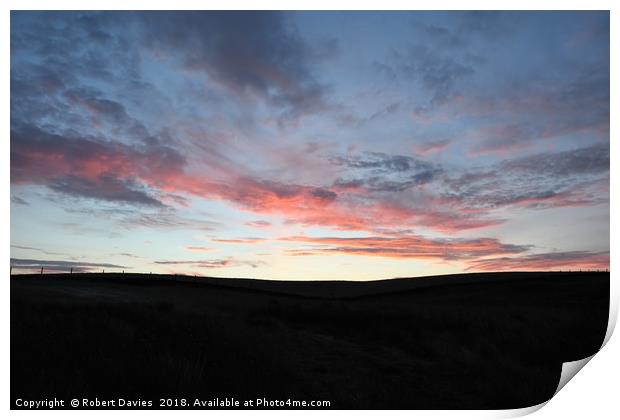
<point x="564" y="179"/>
<point x="258" y="224"/>
<point x="211" y="263"/>
<point x="60" y="265"/>
<point x="36" y="249"/>
<point x="194" y="248"/>
<point x="408" y="246"/>
<point x="571" y="260"/>
<point x="18" y="200"/>
<point x="431" y="147"/>
<point x="238" y="240"/>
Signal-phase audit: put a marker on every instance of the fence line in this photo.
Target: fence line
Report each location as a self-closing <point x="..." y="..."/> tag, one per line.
<point x="597" y="270"/>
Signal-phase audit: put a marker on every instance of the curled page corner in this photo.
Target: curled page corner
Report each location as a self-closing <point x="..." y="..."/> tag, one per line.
<point x="613" y="317"/>
<point x="517" y="412"/>
<point x="569" y="370"/>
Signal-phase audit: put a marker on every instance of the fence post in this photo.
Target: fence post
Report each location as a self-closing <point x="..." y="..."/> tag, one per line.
<point x="41" y="270"/>
<point x="71" y="270"/>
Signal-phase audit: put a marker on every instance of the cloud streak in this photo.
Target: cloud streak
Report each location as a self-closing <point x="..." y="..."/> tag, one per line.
<point x="36" y="249"/>
<point x="211" y="263"/>
<point x="571" y="260"/>
<point x="406" y="247"/>
<point x="60" y="265"/>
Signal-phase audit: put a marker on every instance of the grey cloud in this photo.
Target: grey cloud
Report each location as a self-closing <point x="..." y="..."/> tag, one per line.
<point x="489" y="24"/>
<point x="383" y="172"/>
<point x="581" y="104"/>
<point x="439" y="75"/>
<point x="377" y="183"/>
<point x="105" y="187"/>
<point x="324" y="194"/>
<point x="442" y="36"/>
<point x="249" y="52"/>
<point x="590" y="160"/>
<point x="58" y="38"/>
<point x="94" y="103"/>
<point x="118" y="165"/>
<point x="128" y="254"/>
<point x="380" y="161"/>
<point x="570" y="178"/>
<point x="141" y="217"/>
<point x="505" y="138"/>
<point x="59" y="265"/>
<point x="57" y="59"/>
<point x="17" y="200"/>
<point x="469" y="26"/>
<point x="166" y="220"/>
<point x="96" y="108"/>
<point x="356" y="121"/>
<point x="326" y="49"/>
<point x="35" y="249"/>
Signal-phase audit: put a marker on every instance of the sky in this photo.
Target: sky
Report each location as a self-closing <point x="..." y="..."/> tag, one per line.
<point x="309" y="145"/>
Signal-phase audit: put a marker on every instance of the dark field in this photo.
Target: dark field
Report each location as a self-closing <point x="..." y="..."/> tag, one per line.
<point x="479" y="341"/>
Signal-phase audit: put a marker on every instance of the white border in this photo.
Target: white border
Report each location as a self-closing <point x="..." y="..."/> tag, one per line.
<point x="592" y="394"/>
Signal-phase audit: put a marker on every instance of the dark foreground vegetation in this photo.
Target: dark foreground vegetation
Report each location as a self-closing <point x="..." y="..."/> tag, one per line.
<point x="480" y="341"/>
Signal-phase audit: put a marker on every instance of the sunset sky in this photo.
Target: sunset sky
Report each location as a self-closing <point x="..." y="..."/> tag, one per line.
<point x="310" y="145"/>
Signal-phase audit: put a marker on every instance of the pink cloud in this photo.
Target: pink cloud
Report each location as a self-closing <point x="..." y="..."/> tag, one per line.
<point x="239" y="240"/>
<point x="405" y="246"/>
<point x="261" y="224"/>
<point x="38" y="161"/>
<point x="192" y="248"/>
<point x="431" y="148"/>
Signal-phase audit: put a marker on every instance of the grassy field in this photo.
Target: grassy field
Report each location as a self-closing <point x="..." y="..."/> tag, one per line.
<point x="476" y="341"/>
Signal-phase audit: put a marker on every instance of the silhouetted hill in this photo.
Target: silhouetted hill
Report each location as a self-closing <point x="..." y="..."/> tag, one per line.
<point x="485" y="340"/>
<point x="314" y="289"/>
